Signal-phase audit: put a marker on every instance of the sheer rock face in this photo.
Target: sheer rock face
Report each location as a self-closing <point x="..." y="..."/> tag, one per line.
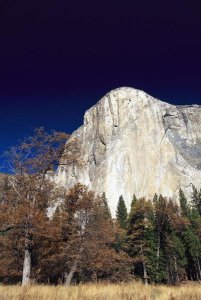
<point x="132" y="143"/>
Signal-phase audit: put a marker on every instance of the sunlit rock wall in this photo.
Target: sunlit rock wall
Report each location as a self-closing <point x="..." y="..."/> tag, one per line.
<point x="132" y="143"/>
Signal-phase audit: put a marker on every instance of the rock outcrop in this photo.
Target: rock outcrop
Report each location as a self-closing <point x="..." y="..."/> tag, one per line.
<point x="132" y="143"/>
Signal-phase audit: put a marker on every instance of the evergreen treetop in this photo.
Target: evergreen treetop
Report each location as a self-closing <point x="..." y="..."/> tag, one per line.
<point x="121" y="213"/>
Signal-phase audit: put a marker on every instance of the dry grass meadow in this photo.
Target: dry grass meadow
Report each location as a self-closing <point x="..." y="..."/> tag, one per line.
<point x="134" y="291"/>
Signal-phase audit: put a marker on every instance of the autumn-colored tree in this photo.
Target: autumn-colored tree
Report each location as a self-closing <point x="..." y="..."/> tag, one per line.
<point x="100" y="257"/>
<point x="29" y="191"/>
<point x="84" y="244"/>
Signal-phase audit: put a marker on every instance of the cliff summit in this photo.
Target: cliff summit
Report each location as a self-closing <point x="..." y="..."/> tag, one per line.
<point x="132" y="143"/>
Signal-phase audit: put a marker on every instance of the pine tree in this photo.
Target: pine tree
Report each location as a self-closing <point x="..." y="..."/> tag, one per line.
<point x="169" y="225"/>
<point x="106" y="208"/>
<point x="155" y="198"/>
<point x="185" y="209"/>
<point x="139" y="237"/>
<point x="121" y="213"/>
<point x="134" y="200"/>
<point x="193" y="252"/>
<point x="196" y="199"/>
<point x="192" y="238"/>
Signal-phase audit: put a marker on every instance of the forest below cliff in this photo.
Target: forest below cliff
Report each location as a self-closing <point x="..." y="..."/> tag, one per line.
<point x="50" y="235"/>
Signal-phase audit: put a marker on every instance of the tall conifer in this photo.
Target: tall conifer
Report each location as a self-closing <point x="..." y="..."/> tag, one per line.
<point x="121" y="212"/>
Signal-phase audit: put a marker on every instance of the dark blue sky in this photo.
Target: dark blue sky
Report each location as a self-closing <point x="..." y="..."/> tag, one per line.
<point x="57" y="58"/>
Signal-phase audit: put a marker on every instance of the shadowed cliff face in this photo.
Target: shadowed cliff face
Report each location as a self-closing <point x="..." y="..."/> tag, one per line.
<point x="133" y="143"/>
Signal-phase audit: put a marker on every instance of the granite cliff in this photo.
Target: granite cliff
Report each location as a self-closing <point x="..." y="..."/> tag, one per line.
<point x="133" y="143"/>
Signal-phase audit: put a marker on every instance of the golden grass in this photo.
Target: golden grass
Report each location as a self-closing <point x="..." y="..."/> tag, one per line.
<point x="132" y="291"/>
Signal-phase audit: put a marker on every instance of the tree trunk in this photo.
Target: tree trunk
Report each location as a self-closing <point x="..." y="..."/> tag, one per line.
<point x="191" y="275"/>
<point x="171" y="273"/>
<point x="133" y="270"/>
<point x="94" y="277"/>
<point x="26" y="268"/>
<point x="158" y="248"/>
<point x="145" y="273"/>
<point x="176" y="270"/>
<point x="199" y="271"/>
<point x="158" y="254"/>
<point x="197" y="276"/>
<point x="69" y="276"/>
<point x="196" y="271"/>
<point x="144" y="268"/>
<point x="168" y="273"/>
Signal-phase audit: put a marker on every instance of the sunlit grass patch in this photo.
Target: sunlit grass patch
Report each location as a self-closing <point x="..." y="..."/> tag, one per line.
<point x="132" y="291"/>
